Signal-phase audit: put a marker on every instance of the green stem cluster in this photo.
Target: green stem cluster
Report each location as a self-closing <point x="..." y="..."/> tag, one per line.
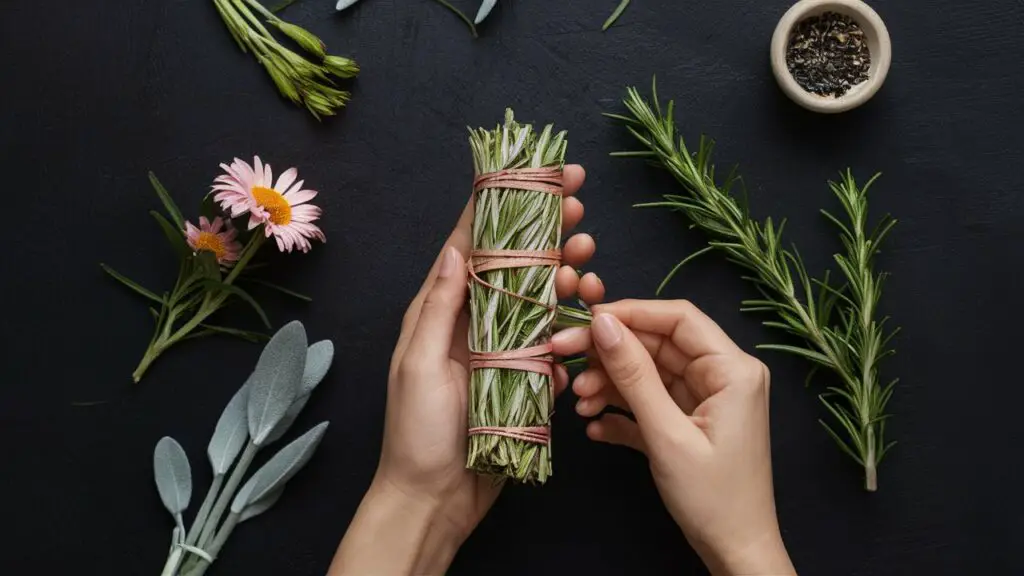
<point x="304" y="82"/>
<point x="197" y="294"/>
<point x="851" y="345"/>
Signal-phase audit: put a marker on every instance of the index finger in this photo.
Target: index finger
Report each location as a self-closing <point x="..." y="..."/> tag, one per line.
<point x="689" y="329"/>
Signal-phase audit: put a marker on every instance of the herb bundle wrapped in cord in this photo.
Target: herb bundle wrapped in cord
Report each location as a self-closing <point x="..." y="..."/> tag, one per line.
<point x="516" y="235"/>
<point x="851" y="347"/>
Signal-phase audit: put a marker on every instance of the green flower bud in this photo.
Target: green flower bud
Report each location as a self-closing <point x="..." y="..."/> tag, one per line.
<point x="341" y="67"/>
<point x="309" y="41"/>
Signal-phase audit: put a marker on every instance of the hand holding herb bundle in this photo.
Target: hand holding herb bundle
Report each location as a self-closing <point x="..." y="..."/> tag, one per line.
<point x="261" y="412"/>
<point x="211" y="260"/>
<point x="851" y="347"/>
<point x="305" y="82"/>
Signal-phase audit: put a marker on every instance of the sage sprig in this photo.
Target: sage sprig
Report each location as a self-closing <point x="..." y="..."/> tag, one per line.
<point x="304" y="81"/>
<point x="838" y="325"/>
<point x="287" y="373"/>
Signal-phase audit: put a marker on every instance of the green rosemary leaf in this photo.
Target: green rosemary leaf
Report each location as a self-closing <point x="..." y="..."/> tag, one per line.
<point x="615" y="16"/>
<point x="168" y="202"/>
<point x="247" y="335"/>
<point x="280" y="289"/>
<point x="677" y="267"/>
<point x="174" y="235"/>
<point x="131" y="284"/>
<point x="217" y="285"/>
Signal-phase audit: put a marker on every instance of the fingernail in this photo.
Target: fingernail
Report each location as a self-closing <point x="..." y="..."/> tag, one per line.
<point x="581" y="406"/>
<point x="566" y="336"/>
<point x="447" y="263"/>
<point x="607" y="331"/>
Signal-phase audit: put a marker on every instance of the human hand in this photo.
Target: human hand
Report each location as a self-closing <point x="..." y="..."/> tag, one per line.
<point x="701" y="408"/>
<point x="422" y="495"/>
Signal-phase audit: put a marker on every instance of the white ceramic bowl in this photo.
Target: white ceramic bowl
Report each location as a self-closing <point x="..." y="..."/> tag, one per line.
<point x="875" y="34"/>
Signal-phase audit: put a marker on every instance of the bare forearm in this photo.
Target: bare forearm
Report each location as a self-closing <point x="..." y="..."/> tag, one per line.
<point x="393" y="533"/>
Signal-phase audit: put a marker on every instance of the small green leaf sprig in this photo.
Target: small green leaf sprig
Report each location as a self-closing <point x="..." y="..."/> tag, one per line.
<point x="261" y="412"/>
<point x="851" y="346"/>
<point x="207" y="282"/>
<point x="304" y="81"/>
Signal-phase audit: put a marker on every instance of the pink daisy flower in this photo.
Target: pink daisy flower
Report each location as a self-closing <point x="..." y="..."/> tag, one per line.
<point x="281" y="207"/>
<point x="218" y="238"/>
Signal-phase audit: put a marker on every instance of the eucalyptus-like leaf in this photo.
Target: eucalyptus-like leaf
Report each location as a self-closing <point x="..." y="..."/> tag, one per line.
<point x="173" y="475"/>
<point x="275" y="382"/>
<point x="485" y="8"/>
<point x="231" y="433"/>
<point x="279" y="469"/>
<point x="261" y="505"/>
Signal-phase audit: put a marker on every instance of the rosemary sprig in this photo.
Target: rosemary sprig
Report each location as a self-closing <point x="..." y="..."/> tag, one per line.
<point x="851" y="346"/>
<point x="615" y="15"/>
<point x="303" y="81"/>
<point x="508" y="219"/>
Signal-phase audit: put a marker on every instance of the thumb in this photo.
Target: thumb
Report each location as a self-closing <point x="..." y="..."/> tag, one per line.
<point x="634" y="374"/>
<point x="441" y="307"/>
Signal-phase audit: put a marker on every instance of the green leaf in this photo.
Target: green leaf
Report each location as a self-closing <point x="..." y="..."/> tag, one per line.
<point x="682" y="263"/>
<point x="615" y="15"/>
<point x="461" y="15"/>
<point x="236" y="291"/>
<point x="206" y="265"/>
<point x="168" y="202"/>
<point x="230" y="434"/>
<point x="131" y="284"/>
<point x="173" y="475"/>
<point x="809" y="354"/>
<point x="279" y="469"/>
<point x="176" y="236"/>
<point x="280" y="289"/>
<point x="248" y="335"/>
<point x="274" y="383"/>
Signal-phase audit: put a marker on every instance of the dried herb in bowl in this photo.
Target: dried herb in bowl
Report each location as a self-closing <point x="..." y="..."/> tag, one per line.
<point x="828" y="54"/>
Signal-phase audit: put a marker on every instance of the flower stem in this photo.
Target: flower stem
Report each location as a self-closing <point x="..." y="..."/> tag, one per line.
<point x="227" y="495"/>
<point x="171" y="567"/>
<point x="152" y="353"/>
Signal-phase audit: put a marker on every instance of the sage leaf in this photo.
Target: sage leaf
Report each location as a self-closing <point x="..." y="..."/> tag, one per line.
<point x="485" y="8"/>
<point x="168" y="202"/>
<point x="173" y="475"/>
<point x="318" y="360"/>
<point x="275" y="382"/>
<point x="261" y="505"/>
<point x="342" y="4"/>
<point x="279" y="469"/>
<point x="231" y="433"/>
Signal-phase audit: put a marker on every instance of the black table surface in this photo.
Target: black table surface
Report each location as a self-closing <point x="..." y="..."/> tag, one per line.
<point x="96" y="94"/>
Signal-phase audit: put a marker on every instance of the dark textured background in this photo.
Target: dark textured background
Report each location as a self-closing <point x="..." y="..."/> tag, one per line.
<point x="95" y="94"/>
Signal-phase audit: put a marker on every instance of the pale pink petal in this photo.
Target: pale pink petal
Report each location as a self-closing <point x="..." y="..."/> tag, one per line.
<point x="204" y="224"/>
<point x="295" y="188"/>
<point x="254" y="220"/>
<point x="191" y="231"/>
<point x="268" y="176"/>
<point x="286" y="179"/>
<point x="295" y="198"/>
<point x="258" y="170"/>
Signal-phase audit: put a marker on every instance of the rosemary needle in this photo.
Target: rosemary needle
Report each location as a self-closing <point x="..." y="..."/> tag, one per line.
<point x="615" y="15"/>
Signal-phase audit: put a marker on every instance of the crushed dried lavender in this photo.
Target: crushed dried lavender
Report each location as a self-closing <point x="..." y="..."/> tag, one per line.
<point x="828" y="54"/>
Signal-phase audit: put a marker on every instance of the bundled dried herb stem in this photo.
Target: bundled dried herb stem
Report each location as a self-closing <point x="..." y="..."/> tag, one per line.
<point x="510" y="219"/>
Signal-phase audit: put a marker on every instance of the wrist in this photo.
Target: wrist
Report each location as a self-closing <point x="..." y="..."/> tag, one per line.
<point x="766" y="556"/>
<point x="395" y="532"/>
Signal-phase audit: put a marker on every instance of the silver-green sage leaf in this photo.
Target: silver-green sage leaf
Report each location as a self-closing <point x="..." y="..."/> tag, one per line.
<point x="342" y="4"/>
<point x="231" y="433"/>
<point x="318" y="361"/>
<point x="262" y="505"/>
<point x="485" y="8"/>
<point x="173" y="475"/>
<point x="275" y="382"/>
<point x="279" y="469"/>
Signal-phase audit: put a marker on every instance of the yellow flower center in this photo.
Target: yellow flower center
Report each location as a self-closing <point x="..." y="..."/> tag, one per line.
<point x="274" y="203"/>
<point x="211" y="242"/>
